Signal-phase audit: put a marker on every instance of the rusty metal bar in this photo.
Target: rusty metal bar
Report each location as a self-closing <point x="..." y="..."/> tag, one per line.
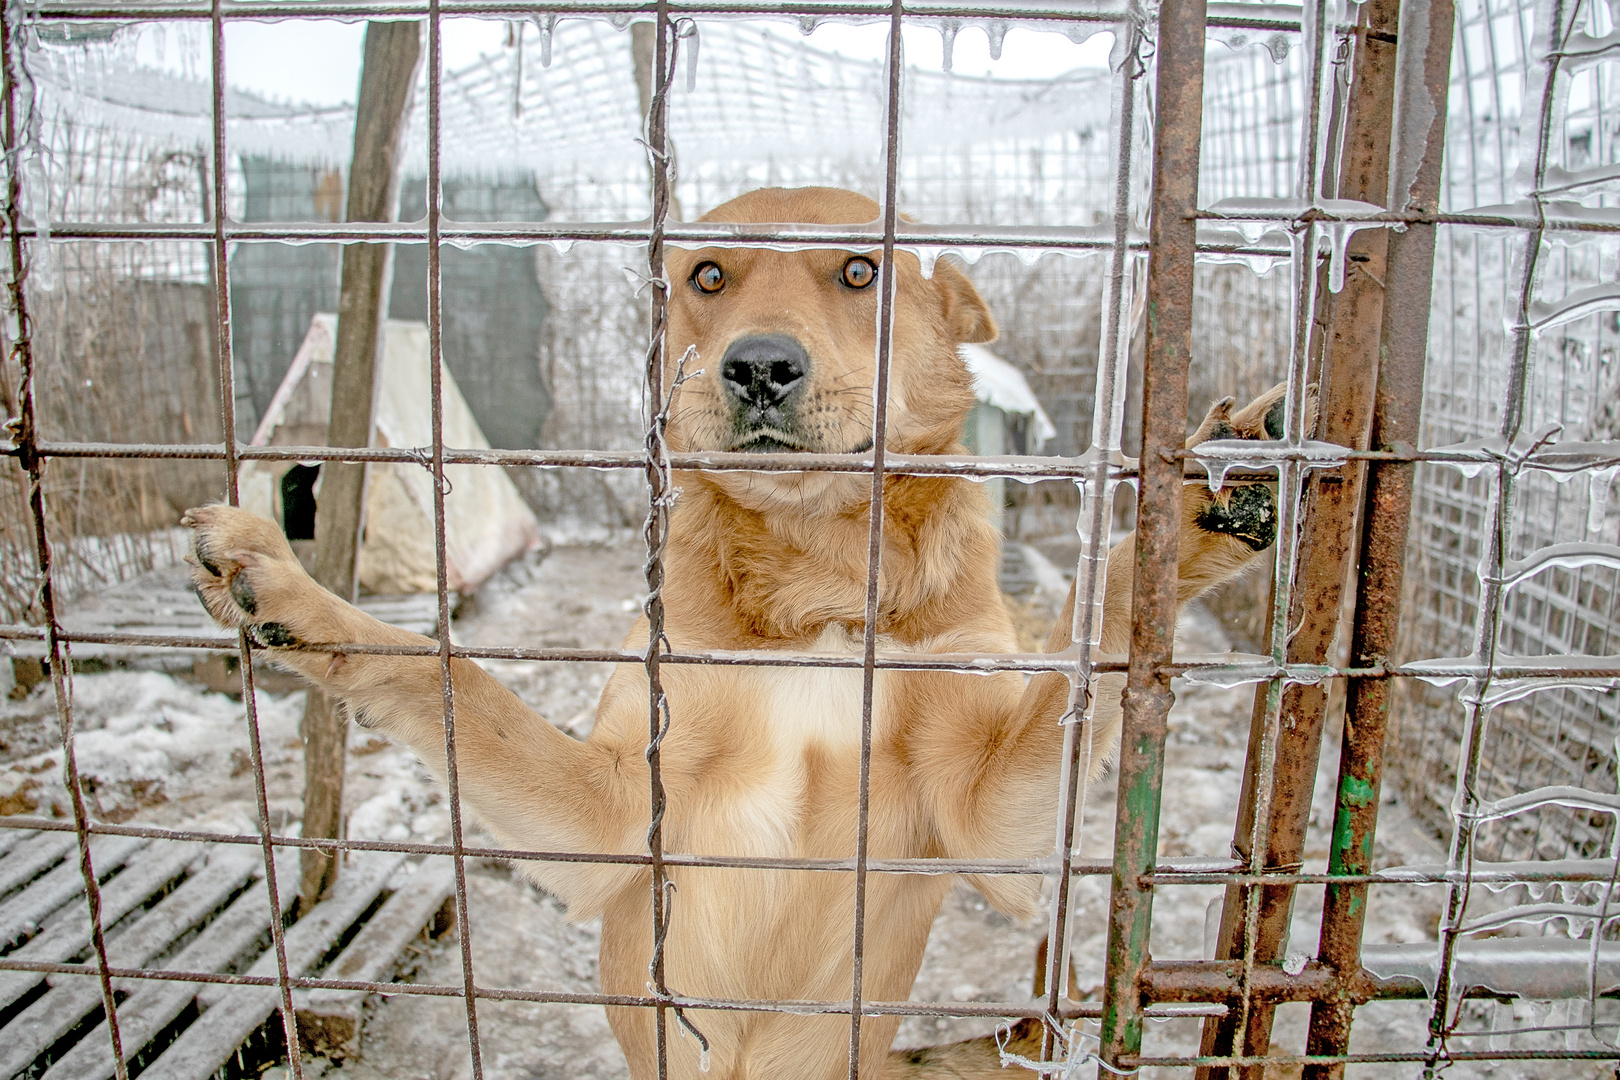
<point x="1196" y="991"/>
<point x="890" y="281"/>
<point x="966" y="663"/>
<point x="1560" y="217"/>
<point x="1196" y="872"/>
<point x="220" y="250"/>
<point x="1178" y="126"/>
<point x="1246" y="935"/>
<point x="1554" y="458"/>
<point x="435" y="327"/>
<point x="1351" y="348"/>
<point x="1424" y="75"/>
<point x="512" y="9"/>
<point x="1182" y="988"/>
<point x="660" y="501"/>
<point x="26" y="433"/>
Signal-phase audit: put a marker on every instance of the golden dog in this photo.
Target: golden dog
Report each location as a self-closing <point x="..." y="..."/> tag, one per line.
<point x="764" y="761"/>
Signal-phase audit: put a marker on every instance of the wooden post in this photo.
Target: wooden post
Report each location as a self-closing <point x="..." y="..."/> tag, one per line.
<point x="393" y="53"/>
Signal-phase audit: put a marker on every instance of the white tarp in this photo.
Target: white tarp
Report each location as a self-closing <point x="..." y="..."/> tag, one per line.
<point x="487" y="524"/>
<point x="999" y="384"/>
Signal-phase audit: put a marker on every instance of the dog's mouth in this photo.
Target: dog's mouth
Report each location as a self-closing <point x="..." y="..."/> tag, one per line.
<point x="774" y="442"/>
<point x="761" y="442"/>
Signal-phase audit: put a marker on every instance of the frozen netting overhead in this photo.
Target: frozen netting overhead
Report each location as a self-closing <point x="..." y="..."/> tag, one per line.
<point x="563" y="101"/>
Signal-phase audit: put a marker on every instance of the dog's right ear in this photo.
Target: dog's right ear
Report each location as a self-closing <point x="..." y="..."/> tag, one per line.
<point x="966" y="313"/>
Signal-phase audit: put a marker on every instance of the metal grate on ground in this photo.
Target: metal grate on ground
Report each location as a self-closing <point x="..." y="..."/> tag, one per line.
<point x="1359" y="223"/>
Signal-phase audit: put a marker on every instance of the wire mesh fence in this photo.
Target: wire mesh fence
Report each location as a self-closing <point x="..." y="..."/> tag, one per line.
<point x="1250" y="158"/>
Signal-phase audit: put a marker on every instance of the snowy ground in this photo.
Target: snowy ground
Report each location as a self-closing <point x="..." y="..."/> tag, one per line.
<point x="159" y="750"/>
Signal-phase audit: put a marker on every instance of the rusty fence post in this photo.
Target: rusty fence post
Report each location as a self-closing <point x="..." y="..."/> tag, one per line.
<point x="1351" y="320"/>
<point x="1172" y="236"/>
<point x="1422" y="81"/>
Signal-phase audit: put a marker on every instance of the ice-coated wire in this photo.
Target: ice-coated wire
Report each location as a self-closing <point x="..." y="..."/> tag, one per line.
<point x="227" y="422"/>
<point x="889" y="280"/>
<point x="518" y="9"/>
<point x="26" y="432"/>
<point x="1090" y="580"/>
<point x="435" y="326"/>
<point x="1555" y="22"/>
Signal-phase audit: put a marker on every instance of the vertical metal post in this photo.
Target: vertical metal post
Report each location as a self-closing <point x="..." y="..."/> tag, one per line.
<point x="1352" y="319"/>
<point x="1172" y="235"/>
<point x="657" y="528"/>
<point x="1422" y="78"/>
<point x="33" y="466"/>
<point x="1555" y="22"/>
<point x="1096" y="505"/>
<point x="227" y="426"/>
<point x="435" y="325"/>
<point x="889" y="280"/>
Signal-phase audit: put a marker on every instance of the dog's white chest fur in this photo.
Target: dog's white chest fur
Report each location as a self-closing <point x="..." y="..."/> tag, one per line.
<point x="804" y="711"/>
<point x="808" y="706"/>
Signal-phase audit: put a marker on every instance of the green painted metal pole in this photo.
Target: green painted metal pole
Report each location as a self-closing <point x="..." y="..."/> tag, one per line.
<point x="1178" y="128"/>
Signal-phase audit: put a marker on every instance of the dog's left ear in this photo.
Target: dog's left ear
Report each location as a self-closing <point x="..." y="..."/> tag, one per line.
<point x="966" y="313"/>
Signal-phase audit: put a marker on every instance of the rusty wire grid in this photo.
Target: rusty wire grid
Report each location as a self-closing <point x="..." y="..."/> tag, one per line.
<point x="1358" y="213"/>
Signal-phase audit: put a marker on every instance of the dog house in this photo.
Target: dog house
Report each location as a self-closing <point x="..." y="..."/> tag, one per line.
<point x="486" y="523"/>
<point x="1007" y="419"/>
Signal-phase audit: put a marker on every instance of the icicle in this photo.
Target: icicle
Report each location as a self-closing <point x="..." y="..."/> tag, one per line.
<point x="1501" y="1025"/>
<point x="997" y="33"/>
<point x="808" y="24"/>
<point x="928" y="257"/>
<point x="545" y="24"/>
<point x="948" y="30"/>
<point x="41" y="252"/>
<point x="688" y="29"/>
<point x="1597" y="507"/>
<point x="619" y="20"/>
<point x="514" y="31"/>
<point x="1339" y="234"/>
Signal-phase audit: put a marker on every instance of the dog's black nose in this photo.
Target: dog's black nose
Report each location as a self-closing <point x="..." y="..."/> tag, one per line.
<point x="765" y="369"/>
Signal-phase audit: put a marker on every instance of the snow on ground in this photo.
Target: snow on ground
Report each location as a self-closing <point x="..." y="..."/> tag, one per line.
<point x="156" y="749"/>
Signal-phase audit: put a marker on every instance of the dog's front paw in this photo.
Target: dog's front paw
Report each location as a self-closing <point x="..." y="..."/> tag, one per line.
<point x="1263" y="418"/>
<point x="246" y="574"/>
<point x="1248" y="514"/>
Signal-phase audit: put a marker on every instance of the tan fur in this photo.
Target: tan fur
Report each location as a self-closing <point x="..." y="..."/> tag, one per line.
<point x="765" y="761"/>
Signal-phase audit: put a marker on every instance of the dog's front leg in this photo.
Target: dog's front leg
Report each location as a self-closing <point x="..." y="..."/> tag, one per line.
<point x="999" y="800"/>
<point x="533" y="786"/>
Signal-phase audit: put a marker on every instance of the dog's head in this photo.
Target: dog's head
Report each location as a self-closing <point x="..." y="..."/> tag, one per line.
<point x="787" y="343"/>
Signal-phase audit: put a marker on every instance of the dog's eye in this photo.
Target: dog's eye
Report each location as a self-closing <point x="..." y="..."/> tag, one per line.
<point x="859" y="272"/>
<point x="708" y="277"/>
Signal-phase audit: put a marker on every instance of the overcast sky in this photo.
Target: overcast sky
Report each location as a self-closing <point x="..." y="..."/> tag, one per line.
<point x="318" y="62"/>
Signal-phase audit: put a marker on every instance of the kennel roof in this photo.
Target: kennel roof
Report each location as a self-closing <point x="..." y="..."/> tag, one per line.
<point x="999" y="384"/>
